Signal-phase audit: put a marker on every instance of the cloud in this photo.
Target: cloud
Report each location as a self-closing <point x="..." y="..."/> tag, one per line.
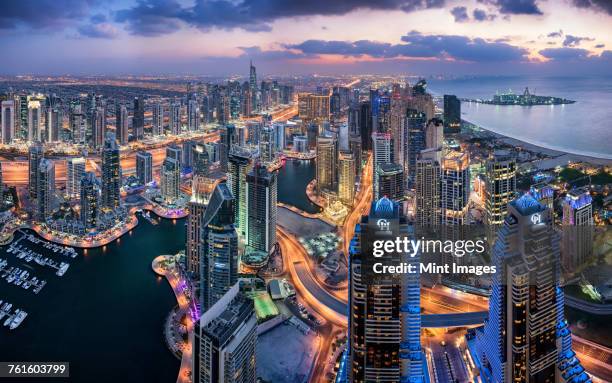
<point x="555" y="34"/>
<point x="572" y="41"/>
<point x="515" y="7"/>
<point x="417" y="45"/>
<point x="145" y="17"/>
<point x="600" y="45"/>
<point x="99" y="30"/>
<point x="597" y="5"/>
<point x="460" y="14"/>
<point x="42" y="14"/>
<point x="481" y="15"/>
<point x="564" y="54"/>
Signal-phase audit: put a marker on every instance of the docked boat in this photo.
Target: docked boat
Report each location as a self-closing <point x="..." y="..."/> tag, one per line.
<point x="19" y="317"/>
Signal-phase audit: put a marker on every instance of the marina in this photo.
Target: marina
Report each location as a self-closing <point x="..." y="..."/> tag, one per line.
<point x="13" y="319"/>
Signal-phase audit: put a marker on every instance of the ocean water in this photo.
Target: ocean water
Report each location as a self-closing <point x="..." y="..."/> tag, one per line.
<point x="581" y="128"/>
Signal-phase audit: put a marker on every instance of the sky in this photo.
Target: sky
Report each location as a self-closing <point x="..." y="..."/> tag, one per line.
<point x="286" y="37"/>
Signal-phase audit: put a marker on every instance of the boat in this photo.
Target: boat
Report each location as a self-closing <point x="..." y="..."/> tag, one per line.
<point x="8" y="320"/>
<point x="62" y="270"/>
<point x="18" y="319"/>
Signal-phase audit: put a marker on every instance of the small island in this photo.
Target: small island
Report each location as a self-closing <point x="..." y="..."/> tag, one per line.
<point x="525" y="99"/>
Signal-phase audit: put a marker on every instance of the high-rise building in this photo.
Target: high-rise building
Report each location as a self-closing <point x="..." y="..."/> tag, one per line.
<point x="175" y="152"/>
<point x="455" y="188"/>
<point x="427" y="188"/>
<point x="121" y="126"/>
<point x="434" y="134"/>
<point x="218" y="253"/>
<point x="53" y="124"/>
<point x="111" y="173"/>
<point x="225" y="340"/>
<point x="45" y="189"/>
<point x="22" y="118"/>
<point x="346" y="177"/>
<point x="500" y="180"/>
<point x="382" y="147"/>
<point x="327" y="161"/>
<point x="415" y="141"/>
<point x="193" y="115"/>
<point x="385" y="316"/>
<point x="253" y="89"/>
<point x="313" y="107"/>
<point x="75" y="170"/>
<point x="390" y="182"/>
<point x="144" y="167"/>
<point x="577" y="225"/>
<point x="170" y="180"/>
<point x="365" y="125"/>
<point x="261" y="209"/>
<point x="526" y="338"/>
<point x="35" y="154"/>
<point x="200" y="159"/>
<point x="175" y="118"/>
<point x="239" y="166"/>
<point x="158" y="119"/>
<point x="355" y="149"/>
<point x="7" y="117"/>
<point x="545" y="195"/>
<point x="98" y="127"/>
<point x="35" y="121"/>
<point x="89" y="191"/>
<point x="452" y="114"/>
<point x="227" y="139"/>
<point x="138" y="119"/>
<point x="267" y="147"/>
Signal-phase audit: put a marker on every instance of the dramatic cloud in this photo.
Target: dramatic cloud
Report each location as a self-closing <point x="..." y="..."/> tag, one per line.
<point x="481" y="15"/>
<point x="252" y="15"/>
<point x="572" y="41"/>
<point x="562" y="54"/>
<point x="555" y="34"/>
<point x="515" y="7"/>
<point x="598" y="5"/>
<point x="417" y="45"/>
<point x="42" y="14"/>
<point x="460" y="14"/>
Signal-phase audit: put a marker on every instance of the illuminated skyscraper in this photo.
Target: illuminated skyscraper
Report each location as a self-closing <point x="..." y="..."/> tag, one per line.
<point x="45" y="189"/>
<point x="313" y="107"/>
<point x="111" y="173"/>
<point x="218" y="253"/>
<point x="35" y="154"/>
<point x="415" y="141"/>
<point x="239" y="166"/>
<point x="144" y="167"/>
<point x="427" y="188"/>
<point x="434" y="134"/>
<point x="98" y="127"/>
<point x="35" y="121"/>
<point x="78" y="125"/>
<point x="267" y="147"/>
<point x="501" y="189"/>
<point x="75" y="170"/>
<point x="158" y="119"/>
<point x="138" y="119"/>
<point x="526" y="338"/>
<point x="89" y="193"/>
<point x="346" y="178"/>
<point x="253" y="89"/>
<point x="577" y="225"/>
<point x="390" y="182"/>
<point x="385" y="315"/>
<point x="121" y="124"/>
<point x="225" y="340"/>
<point x="175" y="152"/>
<point x="54" y="124"/>
<point x="355" y="149"/>
<point x="170" y="179"/>
<point x="175" y="118"/>
<point x="262" y="190"/>
<point x="452" y="114"/>
<point x="227" y="139"/>
<point x="455" y="190"/>
<point x="193" y="115"/>
<point x="327" y="161"/>
<point x="7" y="117"/>
<point x="382" y="146"/>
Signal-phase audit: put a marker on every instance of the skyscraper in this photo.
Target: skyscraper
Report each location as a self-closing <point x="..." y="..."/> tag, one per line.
<point x="193" y="115"/>
<point x="170" y="179"/>
<point x="89" y="193"/>
<point x="525" y="338"/>
<point x="35" y="154"/>
<point x="111" y="173"/>
<point x="382" y="147"/>
<point x="218" y="253"/>
<point x="54" y="124"/>
<point x="175" y="118"/>
<point x="327" y="162"/>
<point x="144" y="167"/>
<point x="346" y="177"/>
<point x="427" y="188"/>
<point x="45" y="189"/>
<point x="267" y="147"/>
<point x="227" y="139"/>
<point x="261" y="209"/>
<point x="138" y="119"/>
<point x="34" y="120"/>
<point x="225" y="341"/>
<point x="452" y="114"/>
<point x="455" y="189"/>
<point x="500" y="181"/>
<point x="253" y="90"/>
<point x="390" y="182"/>
<point x="121" y="115"/>
<point x="415" y="141"/>
<point x="385" y="315"/>
<point x="313" y="107"/>
<point x="239" y="166"/>
<point x="355" y="149"/>
<point x="175" y="152"/>
<point x="8" y="121"/>
<point x="577" y="225"/>
<point x="158" y="119"/>
<point x="365" y="125"/>
<point x="75" y="170"/>
<point x="98" y="127"/>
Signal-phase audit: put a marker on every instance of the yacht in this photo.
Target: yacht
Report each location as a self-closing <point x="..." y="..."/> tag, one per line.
<point x="19" y="317"/>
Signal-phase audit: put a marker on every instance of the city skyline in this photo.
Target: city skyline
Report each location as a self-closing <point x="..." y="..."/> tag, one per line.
<point x="162" y="37"/>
